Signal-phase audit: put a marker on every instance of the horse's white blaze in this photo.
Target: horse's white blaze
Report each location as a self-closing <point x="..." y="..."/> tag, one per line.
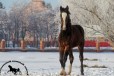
<point x="64" y="15"/>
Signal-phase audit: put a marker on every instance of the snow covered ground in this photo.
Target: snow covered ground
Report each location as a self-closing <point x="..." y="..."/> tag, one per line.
<point x="47" y="63"/>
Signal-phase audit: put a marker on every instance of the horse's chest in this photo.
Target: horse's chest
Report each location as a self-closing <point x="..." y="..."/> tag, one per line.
<point x="64" y="40"/>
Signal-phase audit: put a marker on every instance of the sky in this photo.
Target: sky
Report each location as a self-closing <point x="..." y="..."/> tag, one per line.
<point x="9" y="3"/>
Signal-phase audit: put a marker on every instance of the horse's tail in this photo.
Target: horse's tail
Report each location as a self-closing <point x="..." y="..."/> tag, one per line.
<point x="82" y="31"/>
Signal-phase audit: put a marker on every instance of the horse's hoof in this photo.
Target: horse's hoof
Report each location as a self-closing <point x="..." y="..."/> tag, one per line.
<point x="68" y="73"/>
<point x="63" y="73"/>
<point x="82" y="74"/>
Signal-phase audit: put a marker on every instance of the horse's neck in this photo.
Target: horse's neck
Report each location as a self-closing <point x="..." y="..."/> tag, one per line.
<point x="69" y="21"/>
<point x="68" y="25"/>
<point x="68" y="29"/>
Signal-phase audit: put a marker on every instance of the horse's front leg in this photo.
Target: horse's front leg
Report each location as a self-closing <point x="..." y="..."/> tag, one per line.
<point x="63" y="59"/>
<point x="71" y="58"/>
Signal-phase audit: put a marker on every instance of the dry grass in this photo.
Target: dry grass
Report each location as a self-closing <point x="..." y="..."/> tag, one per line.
<point x="90" y="59"/>
<point x="84" y="65"/>
<point x="95" y="66"/>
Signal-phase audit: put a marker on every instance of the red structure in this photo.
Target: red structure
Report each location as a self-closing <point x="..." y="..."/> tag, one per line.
<point x="3" y="44"/>
<point x="89" y="43"/>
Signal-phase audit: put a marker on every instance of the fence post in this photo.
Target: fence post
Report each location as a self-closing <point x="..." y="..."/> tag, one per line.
<point x="23" y="45"/>
<point x="2" y="44"/>
<point x="97" y="45"/>
<point x="41" y="45"/>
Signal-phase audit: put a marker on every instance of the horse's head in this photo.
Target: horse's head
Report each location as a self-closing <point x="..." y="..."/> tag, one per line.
<point x="64" y="15"/>
<point x="9" y="66"/>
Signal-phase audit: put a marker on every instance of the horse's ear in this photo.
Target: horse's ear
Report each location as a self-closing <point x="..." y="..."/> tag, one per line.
<point x="60" y="8"/>
<point x="67" y="7"/>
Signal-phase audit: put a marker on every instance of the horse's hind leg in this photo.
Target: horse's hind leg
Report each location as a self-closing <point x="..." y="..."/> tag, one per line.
<point x="81" y="49"/>
<point x="71" y="58"/>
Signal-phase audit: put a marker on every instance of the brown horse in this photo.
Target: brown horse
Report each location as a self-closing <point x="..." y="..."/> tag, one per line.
<point x="70" y="36"/>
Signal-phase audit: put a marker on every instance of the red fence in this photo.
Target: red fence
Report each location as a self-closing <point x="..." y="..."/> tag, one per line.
<point x="89" y="43"/>
<point x="104" y="44"/>
<point x="42" y="44"/>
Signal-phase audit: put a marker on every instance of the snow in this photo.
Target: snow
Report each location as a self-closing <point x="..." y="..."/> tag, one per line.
<point x="51" y="48"/>
<point x="47" y="63"/>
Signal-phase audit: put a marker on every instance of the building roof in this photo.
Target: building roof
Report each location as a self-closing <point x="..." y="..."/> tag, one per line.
<point x="35" y="6"/>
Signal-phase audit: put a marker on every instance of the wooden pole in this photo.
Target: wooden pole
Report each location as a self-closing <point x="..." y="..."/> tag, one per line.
<point x="2" y="44"/>
<point x="23" y="45"/>
<point x="41" y="45"/>
<point x="97" y="45"/>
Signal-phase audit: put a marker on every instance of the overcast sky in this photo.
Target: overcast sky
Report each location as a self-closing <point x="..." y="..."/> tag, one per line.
<point x="9" y="3"/>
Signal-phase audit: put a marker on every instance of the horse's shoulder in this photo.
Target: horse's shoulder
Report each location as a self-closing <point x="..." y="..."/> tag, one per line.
<point x="78" y="26"/>
<point x="75" y="26"/>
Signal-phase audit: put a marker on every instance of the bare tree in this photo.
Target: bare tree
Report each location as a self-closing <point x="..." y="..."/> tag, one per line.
<point x="43" y="23"/>
<point x="93" y="12"/>
<point x="40" y="24"/>
<point x="3" y="23"/>
<point x="17" y="22"/>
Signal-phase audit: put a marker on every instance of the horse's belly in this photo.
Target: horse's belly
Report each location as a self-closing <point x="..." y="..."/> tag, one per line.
<point x="74" y="43"/>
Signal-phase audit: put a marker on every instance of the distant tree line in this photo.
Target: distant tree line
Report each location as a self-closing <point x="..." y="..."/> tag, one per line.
<point x="15" y="25"/>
